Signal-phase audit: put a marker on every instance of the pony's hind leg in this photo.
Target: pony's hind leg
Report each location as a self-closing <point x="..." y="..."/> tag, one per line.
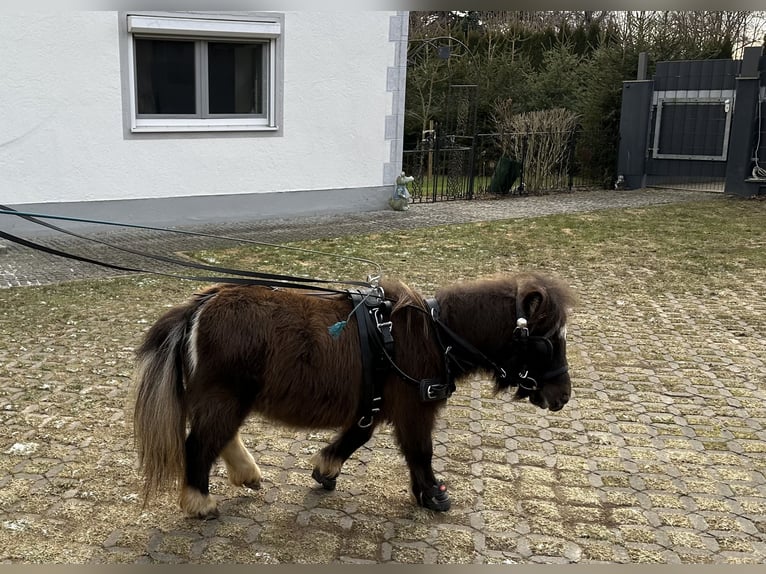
<point x="240" y="464"/>
<point x="328" y="461"/>
<point x="196" y="500"/>
<point x="213" y="428"/>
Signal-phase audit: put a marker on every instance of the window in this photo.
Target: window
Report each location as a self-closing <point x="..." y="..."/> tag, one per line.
<point x="203" y="74"/>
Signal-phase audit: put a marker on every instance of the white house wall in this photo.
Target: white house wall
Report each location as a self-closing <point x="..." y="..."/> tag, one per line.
<point x="63" y="134"/>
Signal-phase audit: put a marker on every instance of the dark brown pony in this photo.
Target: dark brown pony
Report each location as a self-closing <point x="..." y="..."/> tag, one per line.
<point x="235" y="350"/>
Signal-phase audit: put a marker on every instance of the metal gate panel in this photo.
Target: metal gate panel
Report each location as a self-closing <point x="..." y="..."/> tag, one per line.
<point x="692" y="128"/>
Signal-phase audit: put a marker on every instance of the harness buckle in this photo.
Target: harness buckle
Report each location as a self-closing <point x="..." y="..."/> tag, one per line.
<point x="373" y="411"/>
<point x="524" y="377"/>
<point x="385" y="328"/>
<point x="434" y="390"/>
<point x="522" y="328"/>
<point x="362" y="425"/>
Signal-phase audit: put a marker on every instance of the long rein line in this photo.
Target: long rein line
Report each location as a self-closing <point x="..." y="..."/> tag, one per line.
<point x="245" y="277"/>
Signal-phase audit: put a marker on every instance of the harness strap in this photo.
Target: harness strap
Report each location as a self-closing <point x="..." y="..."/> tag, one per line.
<point x="200" y="279"/>
<point x="464" y="364"/>
<point x="368" y="309"/>
<point x="521" y="338"/>
<point x="372" y="312"/>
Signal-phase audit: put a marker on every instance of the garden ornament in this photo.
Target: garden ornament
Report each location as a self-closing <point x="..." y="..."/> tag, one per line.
<point x="400" y="200"/>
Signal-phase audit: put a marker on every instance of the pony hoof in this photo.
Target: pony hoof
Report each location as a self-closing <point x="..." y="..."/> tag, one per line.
<point x="204" y="514"/>
<point x="327" y="482"/>
<point x="437" y="499"/>
<point x="252" y="484"/>
<point x="212" y="515"/>
<point x="198" y="505"/>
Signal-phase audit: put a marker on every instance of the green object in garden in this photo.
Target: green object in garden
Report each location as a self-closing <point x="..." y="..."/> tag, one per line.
<point x="506" y="173"/>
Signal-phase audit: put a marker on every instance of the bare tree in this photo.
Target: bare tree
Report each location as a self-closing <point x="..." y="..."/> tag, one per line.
<point x="689" y="33"/>
<point x="425" y="74"/>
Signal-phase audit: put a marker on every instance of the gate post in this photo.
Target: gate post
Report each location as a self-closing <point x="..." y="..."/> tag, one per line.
<point x="522" y="188"/>
<point x="634" y="131"/>
<point x="471" y="160"/>
<point x="436" y="162"/>
<point x="739" y="163"/>
<point x="635" y="114"/>
<point x="570" y="159"/>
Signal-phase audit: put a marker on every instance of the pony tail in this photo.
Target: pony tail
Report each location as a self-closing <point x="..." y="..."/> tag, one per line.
<point x="159" y="418"/>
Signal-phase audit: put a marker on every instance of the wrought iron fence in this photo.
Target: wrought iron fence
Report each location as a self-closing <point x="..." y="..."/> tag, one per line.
<point x="441" y="172"/>
<point x="500" y="164"/>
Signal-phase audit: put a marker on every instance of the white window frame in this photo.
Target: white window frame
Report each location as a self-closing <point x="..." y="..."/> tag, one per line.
<point x="208" y="28"/>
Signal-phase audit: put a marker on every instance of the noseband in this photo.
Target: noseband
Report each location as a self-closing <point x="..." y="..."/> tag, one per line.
<point x="533" y="346"/>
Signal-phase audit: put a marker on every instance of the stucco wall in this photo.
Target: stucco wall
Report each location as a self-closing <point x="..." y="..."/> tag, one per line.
<point x="62" y="126"/>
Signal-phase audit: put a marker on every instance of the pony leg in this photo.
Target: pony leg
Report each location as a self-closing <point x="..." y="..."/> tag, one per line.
<point x="414" y="437"/>
<point x="196" y="500"/>
<point x="210" y="432"/>
<point x="240" y="464"/>
<point x="328" y="461"/>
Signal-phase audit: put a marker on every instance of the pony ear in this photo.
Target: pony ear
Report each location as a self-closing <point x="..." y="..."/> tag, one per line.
<point x="531" y="302"/>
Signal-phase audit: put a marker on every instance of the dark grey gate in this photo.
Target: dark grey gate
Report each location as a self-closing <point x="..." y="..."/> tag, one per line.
<point x="690" y="122"/>
<point x="696" y="125"/>
<point x="675" y="128"/>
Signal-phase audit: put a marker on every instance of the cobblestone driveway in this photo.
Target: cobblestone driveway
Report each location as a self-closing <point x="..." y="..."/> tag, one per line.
<point x="659" y="459"/>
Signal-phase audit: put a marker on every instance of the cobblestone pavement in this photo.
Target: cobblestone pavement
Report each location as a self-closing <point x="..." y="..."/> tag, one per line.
<point x="659" y="457"/>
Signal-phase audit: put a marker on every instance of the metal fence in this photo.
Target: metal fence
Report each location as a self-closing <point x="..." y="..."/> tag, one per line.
<point x="461" y="167"/>
<point x="687" y="182"/>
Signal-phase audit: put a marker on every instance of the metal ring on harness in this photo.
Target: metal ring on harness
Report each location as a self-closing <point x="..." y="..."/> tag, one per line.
<point x="523" y="377"/>
<point x="365" y="426"/>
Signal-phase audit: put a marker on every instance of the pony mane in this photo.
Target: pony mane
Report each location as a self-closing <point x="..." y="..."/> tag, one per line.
<point x="405" y="297"/>
<point x="545" y="300"/>
<point x="402" y="295"/>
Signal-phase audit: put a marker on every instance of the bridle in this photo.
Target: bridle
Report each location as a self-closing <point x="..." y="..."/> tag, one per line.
<point x="530" y="349"/>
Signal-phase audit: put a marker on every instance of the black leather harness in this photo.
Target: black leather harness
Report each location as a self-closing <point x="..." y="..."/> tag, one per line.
<point x="373" y="316"/>
<point x="373" y="319"/>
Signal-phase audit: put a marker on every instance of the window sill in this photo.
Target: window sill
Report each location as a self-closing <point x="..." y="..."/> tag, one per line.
<point x="202" y="128"/>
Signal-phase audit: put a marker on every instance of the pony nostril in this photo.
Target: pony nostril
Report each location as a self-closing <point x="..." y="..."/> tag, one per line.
<point x="559" y="403"/>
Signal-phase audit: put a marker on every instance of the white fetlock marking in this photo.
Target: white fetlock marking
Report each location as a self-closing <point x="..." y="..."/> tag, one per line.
<point x="196" y="504"/>
<point x="326" y="467"/>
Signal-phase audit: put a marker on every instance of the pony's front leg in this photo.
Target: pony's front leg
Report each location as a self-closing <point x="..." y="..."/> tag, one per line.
<point x="328" y="461"/>
<point x="414" y="436"/>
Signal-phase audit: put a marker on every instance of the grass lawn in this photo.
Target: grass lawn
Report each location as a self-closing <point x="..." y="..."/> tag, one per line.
<point x="688" y="247"/>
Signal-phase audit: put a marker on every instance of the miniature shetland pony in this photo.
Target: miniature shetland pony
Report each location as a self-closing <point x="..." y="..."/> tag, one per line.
<point x="231" y="351"/>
